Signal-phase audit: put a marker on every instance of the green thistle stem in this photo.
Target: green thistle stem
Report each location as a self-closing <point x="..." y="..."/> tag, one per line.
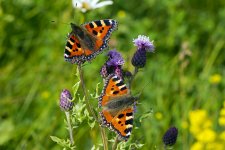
<point x="69" y="127"/>
<point x="115" y="143"/>
<point x="132" y="77"/>
<point x="90" y="109"/>
<point x="104" y="138"/>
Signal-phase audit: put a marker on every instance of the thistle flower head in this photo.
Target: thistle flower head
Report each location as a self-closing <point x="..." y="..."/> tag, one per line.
<point x="65" y="100"/>
<point x="143" y="43"/>
<point x="103" y="71"/>
<point x="170" y="137"/>
<point x="115" y="58"/>
<point x="113" y="64"/>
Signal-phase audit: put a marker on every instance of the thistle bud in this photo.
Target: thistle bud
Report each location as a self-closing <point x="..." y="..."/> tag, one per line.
<point x="65" y="100"/>
<point x="170" y="137"/>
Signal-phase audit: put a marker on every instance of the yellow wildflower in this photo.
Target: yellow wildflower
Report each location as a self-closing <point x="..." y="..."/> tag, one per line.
<point x="215" y="146"/>
<point x="158" y="115"/>
<point x="197" y="146"/>
<point x="45" y="94"/>
<point x="222" y="117"/>
<point x="207" y="124"/>
<point x="222" y="136"/>
<point x="222" y="112"/>
<point x="121" y="14"/>
<point x="206" y="136"/>
<point x="199" y="121"/>
<point x="215" y="79"/>
<point x="222" y="121"/>
<point x="197" y="116"/>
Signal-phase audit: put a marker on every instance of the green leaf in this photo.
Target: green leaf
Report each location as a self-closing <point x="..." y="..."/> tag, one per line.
<point x="86" y="113"/>
<point x="140" y="145"/>
<point x="136" y="146"/>
<point x="64" y="143"/>
<point x="146" y="115"/>
<point x="6" y="131"/>
<point x="59" y="141"/>
<point x="94" y="148"/>
<point x="96" y="90"/>
<point x="75" y="89"/>
<point x="77" y="73"/>
<point x="91" y="124"/>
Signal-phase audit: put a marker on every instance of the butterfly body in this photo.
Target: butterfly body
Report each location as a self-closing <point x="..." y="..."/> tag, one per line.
<point x="88" y="40"/>
<point x="117" y="107"/>
<point x="119" y="103"/>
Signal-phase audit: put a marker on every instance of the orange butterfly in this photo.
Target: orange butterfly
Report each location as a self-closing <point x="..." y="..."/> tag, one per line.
<point x="88" y="40"/>
<point x="117" y="106"/>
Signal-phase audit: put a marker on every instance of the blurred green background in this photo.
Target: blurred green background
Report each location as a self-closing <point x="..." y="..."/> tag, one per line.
<point x="186" y="72"/>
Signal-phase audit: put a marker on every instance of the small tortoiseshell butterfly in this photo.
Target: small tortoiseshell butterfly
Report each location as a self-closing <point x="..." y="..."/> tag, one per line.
<point x="88" y="40"/>
<point x="117" y="106"/>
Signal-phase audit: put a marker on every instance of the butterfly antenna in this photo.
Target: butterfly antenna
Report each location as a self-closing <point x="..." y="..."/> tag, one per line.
<point x="53" y="21"/>
<point x="139" y="94"/>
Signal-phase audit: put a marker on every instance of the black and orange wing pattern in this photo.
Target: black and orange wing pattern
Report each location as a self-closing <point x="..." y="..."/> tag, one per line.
<point x="117" y="118"/>
<point x="88" y="40"/>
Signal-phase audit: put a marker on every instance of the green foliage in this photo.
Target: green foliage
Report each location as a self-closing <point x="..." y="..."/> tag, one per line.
<point x="123" y="146"/>
<point x="189" y="38"/>
<point x="63" y="143"/>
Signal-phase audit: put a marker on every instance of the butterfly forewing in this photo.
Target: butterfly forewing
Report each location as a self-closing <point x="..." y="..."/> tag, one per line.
<point x="73" y="49"/>
<point x="114" y="86"/>
<point x="101" y="28"/>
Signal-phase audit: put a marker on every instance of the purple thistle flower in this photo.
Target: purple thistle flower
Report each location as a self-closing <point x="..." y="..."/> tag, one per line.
<point x="144" y="45"/>
<point x="65" y="100"/>
<point x="115" y="58"/>
<point x="113" y="64"/>
<point x="118" y="71"/>
<point x="103" y="71"/>
<point x="170" y="137"/>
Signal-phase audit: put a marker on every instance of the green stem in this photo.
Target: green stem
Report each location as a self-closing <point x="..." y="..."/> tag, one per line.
<point x="132" y="78"/>
<point x="115" y="143"/>
<point x="90" y="109"/>
<point x="104" y="138"/>
<point x="69" y="127"/>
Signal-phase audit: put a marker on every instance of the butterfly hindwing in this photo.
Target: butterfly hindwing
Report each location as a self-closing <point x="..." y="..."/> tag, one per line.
<point x="122" y="123"/>
<point x="73" y="50"/>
